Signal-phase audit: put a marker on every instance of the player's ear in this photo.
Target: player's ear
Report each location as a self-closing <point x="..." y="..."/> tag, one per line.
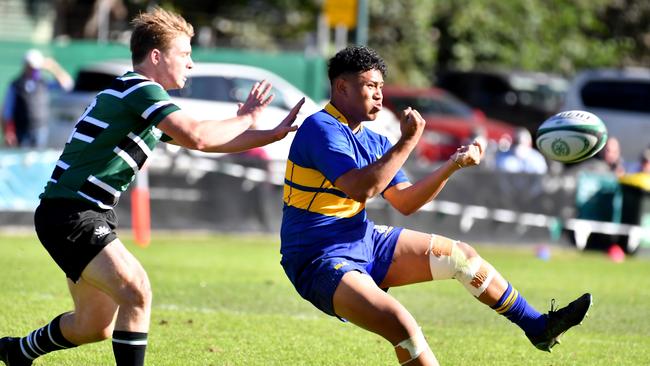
<point x="155" y="55"/>
<point x="341" y="86"/>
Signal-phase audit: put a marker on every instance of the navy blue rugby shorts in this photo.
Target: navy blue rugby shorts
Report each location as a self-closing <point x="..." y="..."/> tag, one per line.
<point x="317" y="277"/>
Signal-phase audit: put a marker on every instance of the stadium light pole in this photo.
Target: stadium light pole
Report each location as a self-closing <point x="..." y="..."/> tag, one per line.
<point x="362" y="23"/>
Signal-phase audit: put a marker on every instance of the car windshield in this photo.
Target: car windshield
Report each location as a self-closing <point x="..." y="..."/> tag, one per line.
<point x="545" y="94"/>
<point x="222" y="89"/>
<point x="631" y="96"/>
<point x="427" y="104"/>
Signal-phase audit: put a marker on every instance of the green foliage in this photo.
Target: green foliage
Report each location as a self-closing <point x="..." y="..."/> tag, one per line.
<point x="416" y="37"/>
<point x="261" y="25"/>
<point x="557" y="35"/>
<point x="629" y="21"/>
<point x="400" y="31"/>
<point x="224" y="300"/>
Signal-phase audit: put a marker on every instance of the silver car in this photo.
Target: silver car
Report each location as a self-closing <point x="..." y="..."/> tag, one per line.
<point x="621" y="98"/>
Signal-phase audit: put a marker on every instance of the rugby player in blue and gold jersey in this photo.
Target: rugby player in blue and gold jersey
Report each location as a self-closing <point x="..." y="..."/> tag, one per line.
<point x="109" y="144"/>
<point x="342" y="262"/>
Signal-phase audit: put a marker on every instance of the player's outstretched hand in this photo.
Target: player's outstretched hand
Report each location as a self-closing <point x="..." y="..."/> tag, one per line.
<point x="469" y="155"/>
<point x="411" y="124"/>
<point x="280" y="131"/>
<point x="257" y="100"/>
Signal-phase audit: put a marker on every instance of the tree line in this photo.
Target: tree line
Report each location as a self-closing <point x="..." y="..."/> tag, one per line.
<point x="418" y="37"/>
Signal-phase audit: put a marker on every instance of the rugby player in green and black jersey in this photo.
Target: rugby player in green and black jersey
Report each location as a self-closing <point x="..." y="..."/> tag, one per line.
<point x="109" y="144"/>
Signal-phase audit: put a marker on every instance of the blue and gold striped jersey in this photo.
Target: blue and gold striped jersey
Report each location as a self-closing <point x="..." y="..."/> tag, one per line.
<point x="315" y="210"/>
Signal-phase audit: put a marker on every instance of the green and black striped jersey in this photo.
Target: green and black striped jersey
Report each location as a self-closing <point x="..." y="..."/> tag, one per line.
<point x="111" y="141"/>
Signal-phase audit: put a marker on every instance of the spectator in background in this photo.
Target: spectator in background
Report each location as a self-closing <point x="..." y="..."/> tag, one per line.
<point x="26" y="106"/>
<point x="607" y="161"/>
<point x="611" y="155"/>
<point x="645" y="161"/>
<point x="643" y="165"/>
<point x="520" y="156"/>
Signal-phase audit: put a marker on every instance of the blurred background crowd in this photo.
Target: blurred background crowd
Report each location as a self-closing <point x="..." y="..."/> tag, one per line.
<point x="489" y="69"/>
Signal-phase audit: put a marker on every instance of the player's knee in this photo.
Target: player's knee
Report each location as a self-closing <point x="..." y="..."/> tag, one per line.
<point x="477" y="275"/>
<point x="459" y="260"/>
<point x="468" y="251"/>
<point x="99" y="334"/>
<point x="136" y="293"/>
<point x="89" y="330"/>
<point x="396" y="323"/>
<point x="448" y="258"/>
<point x="411" y="348"/>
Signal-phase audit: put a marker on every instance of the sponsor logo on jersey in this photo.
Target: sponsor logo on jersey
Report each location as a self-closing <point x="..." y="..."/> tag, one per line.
<point x="383" y="229"/>
<point x="157" y="133"/>
<point x="340" y="265"/>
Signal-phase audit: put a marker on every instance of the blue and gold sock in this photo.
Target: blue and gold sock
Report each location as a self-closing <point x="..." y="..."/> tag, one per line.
<point x="514" y="306"/>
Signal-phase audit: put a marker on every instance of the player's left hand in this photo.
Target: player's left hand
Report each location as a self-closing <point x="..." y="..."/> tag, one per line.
<point x="257" y="100"/>
<point x="469" y="155"/>
<point x="280" y="131"/>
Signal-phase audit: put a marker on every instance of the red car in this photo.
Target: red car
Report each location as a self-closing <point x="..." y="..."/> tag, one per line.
<point x="450" y="122"/>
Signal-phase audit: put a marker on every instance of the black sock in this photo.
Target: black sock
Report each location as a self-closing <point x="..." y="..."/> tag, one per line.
<point x="43" y="340"/>
<point x="129" y="348"/>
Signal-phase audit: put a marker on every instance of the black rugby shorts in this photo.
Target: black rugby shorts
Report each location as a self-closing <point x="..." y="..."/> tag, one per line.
<point x="73" y="232"/>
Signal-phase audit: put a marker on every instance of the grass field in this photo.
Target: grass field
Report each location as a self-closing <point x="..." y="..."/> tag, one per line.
<point x="224" y="300"/>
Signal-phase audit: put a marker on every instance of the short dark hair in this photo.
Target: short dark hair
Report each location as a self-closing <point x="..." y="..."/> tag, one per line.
<point x="354" y="59"/>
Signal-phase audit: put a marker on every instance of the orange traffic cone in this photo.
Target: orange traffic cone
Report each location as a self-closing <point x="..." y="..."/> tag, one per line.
<point x="140" y="209"/>
<point x="615" y="253"/>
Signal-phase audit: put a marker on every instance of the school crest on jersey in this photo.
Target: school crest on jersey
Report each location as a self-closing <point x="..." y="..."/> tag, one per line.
<point x="157" y="133"/>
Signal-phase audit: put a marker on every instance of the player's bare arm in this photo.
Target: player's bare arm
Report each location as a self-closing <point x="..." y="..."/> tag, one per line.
<point x="229" y="135"/>
<point x="362" y="184"/>
<point x="253" y="138"/>
<point x="407" y="198"/>
<point x="193" y="134"/>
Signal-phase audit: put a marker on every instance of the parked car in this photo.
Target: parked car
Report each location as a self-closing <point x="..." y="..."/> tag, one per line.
<point x="521" y="98"/>
<point x="212" y="91"/>
<point x="449" y="122"/>
<point x="621" y="98"/>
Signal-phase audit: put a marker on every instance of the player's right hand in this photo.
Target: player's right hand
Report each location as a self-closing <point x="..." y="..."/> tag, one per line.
<point x="286" y="126"/>
<point x="411" y="124"/>
<point x="469" y="155"/>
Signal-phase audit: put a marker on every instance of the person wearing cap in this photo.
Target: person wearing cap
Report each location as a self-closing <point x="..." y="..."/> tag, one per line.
<point x="26" y="106"/>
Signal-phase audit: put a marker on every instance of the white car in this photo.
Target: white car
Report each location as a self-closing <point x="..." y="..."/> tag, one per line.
<point x="211" y="92"/>
<point x="620" y="97"/>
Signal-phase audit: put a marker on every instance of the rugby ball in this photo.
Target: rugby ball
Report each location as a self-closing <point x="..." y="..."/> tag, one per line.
<point x="571" y="136"/>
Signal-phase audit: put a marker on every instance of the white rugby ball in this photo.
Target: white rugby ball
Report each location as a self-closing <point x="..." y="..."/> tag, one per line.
<point x="571" y="136"/>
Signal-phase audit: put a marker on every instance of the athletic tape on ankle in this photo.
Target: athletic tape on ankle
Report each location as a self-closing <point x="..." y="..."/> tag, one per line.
<point x="447" y="260"/>
<point x="415" y="345"/>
